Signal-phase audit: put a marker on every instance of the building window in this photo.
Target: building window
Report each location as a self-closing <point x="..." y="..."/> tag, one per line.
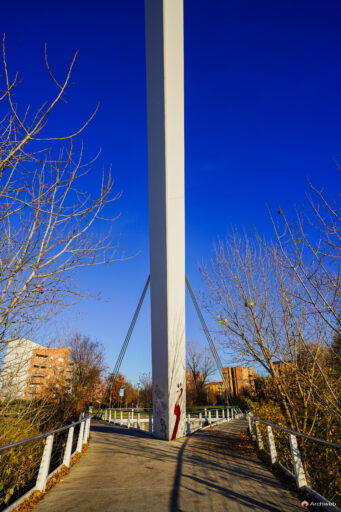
<point x="41" y="355"/>
<point x="61" y="359"/>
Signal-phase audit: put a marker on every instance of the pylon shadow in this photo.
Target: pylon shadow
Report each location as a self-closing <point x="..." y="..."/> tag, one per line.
<point x="117" y="429"/>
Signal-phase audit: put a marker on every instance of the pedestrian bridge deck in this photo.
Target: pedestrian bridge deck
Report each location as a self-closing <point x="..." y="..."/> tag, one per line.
<point x="125" y="470"/>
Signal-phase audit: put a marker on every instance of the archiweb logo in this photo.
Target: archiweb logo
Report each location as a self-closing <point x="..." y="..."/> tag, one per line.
<point x="306" y="504"/>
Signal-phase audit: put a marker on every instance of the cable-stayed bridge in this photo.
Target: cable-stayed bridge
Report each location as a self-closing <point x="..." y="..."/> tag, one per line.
<point x="166" y="459"/>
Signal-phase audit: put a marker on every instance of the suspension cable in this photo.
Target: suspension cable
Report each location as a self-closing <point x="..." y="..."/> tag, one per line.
<point x="127" y="338"/>
<point x="209" y="339"/>
<point x="203" y="324"/>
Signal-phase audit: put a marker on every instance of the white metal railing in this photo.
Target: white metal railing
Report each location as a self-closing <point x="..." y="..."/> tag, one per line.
<point x="202" y="419"/>
<point x="299" y="474"/>
<point x="127" y="417"/>
<point x="194" y="421"/>
<point x="44" y="472"/>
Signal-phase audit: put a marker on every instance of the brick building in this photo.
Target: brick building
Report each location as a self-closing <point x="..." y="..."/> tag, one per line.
<point x="239" y="378"/>
<point x="281" y="368"/>
<point x="29" y="369"/>
<point x="49" y="368"/>
<point x="216" y="387"/>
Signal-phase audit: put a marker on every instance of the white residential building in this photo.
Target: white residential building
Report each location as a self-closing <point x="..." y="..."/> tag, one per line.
<point x="29" y="369"/>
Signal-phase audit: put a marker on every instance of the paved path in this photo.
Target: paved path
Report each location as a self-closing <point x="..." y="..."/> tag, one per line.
<point x="123" y="471"/>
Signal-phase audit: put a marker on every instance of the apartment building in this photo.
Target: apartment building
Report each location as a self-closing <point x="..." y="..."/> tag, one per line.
<point x="48" y="369"/>
<point x="281" y="368"/>
<point x="239" y="378"/>
<point x="216" y="387"/>
<point x="30" y="369"/>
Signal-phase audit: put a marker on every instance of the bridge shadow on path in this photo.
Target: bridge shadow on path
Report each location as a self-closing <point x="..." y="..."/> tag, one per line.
<point x="106" y="429"/>
<point x="126" y="470"/>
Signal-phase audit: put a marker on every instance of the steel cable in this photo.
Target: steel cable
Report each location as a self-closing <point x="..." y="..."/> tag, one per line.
<point x="128" y="336"/>
<point x="209" y="339"/>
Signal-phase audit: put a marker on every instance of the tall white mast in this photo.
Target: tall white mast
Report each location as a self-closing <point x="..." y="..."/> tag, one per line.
<point x="165" y="115"/>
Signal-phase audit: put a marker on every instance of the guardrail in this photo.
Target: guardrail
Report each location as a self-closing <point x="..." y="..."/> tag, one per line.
<point x="44" y="461"/>
<point x="209" y="417"/>
<point x="194" y="421"/>
<point x="299" y="473"/>
<point x="128" y="418"/>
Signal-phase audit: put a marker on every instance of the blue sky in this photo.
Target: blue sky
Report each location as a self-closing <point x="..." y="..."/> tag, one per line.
<point x="262" y="112"/>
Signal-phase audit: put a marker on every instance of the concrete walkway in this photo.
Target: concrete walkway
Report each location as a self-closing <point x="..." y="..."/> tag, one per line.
<point x="126" y="471"/>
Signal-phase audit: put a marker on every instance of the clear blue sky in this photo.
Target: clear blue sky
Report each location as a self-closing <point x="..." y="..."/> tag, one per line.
<point x="262" y="111"/>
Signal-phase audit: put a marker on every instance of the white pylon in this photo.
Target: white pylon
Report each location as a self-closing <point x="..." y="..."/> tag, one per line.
<point x="165" y="115"/>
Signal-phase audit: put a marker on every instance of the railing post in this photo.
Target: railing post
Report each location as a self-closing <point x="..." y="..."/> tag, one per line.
<point x="45" y="464"/>
<point x="109" y="415"/>
<point x="253" y="435"/>
<point x="228" y="414"/>
<point x="115" y="416"/>
<point x="189" y="424"/>
<point x="259" y="437"/>
<point x="217" y="414"/>
<point x="250" y="423"/>
<point x="87" y="429"/>
<point x="209" y="417"/>
<point x="128" y="421"/>
<point x="68" y="448"/>
<point x="297" y="461"/>
<point x="206" y="419"/>
<point x="223" y="413"/>
<point x="132" y="415"/>
<point x="80" y="438"/>
<point x="105" y="415"/>
<point x="84" y="433"/>
<point x="200" y="419"/>
<point x="138" y="422"/>
<point x="150" y="423"/>
<point x="121" y="418"/>
<point x="272" y="446"/>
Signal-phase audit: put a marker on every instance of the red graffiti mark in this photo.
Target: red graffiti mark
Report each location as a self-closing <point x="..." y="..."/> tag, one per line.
<point x="177" y="412"/>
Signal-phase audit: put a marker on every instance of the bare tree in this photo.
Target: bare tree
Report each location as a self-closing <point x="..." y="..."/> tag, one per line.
<point x="145" y="387"/>
<point x="310" y="247"/>
<point x="200" y="366"/>
<point x="255" y="301"/>
<point x="86" y="371"/>
<point x="47" y="219"/>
